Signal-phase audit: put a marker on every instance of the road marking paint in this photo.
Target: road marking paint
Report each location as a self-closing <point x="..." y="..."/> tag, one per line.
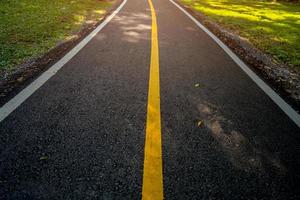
<point x="285" y="107"/>
<point x="15" y="102"/>
<point x="152" y="177"/>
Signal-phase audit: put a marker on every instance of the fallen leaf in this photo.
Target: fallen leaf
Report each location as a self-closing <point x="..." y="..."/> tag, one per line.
<point x="199" y="85"/>
<point x="44" y="158"/>
<point x="200" y="123"/>
<point x="20" y="79"/>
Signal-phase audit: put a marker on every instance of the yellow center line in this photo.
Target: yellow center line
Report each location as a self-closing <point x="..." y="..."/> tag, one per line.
<point x="152" y="177"/>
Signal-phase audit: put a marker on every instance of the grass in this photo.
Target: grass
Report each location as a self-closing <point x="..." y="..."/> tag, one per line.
<point x="29" y="28"/>
<point x="273" y="27"/>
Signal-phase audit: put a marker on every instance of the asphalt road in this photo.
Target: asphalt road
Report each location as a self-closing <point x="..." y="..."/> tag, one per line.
<point x="82" y="134"/>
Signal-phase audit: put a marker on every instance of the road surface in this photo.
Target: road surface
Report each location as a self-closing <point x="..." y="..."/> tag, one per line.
<point x="82" y="135"/>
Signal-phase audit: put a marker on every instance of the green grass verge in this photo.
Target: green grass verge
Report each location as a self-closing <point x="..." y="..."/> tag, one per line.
<point x="273" y="27"/>
<point x="29" y="28"/>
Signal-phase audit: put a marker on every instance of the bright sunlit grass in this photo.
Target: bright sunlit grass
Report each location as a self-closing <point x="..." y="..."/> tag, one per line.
<point x="29" y="28"/>
<point x="274" y="27"/>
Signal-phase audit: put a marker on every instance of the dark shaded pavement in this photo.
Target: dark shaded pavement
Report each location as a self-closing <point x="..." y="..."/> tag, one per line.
<point x="247" y="149"/>
<point x="81" y="136"/>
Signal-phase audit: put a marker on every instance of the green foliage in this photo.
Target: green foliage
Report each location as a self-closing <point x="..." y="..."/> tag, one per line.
<point x="29" y="28"/>
<point x="274" y="27"/>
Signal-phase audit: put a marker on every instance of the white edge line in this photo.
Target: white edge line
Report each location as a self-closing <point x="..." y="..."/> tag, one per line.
<point x="16" y="101"/>
<point x="289" y="111"/>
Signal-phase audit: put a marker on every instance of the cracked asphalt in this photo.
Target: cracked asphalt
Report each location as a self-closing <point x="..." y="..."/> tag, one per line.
<point x="82" y="134"/>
